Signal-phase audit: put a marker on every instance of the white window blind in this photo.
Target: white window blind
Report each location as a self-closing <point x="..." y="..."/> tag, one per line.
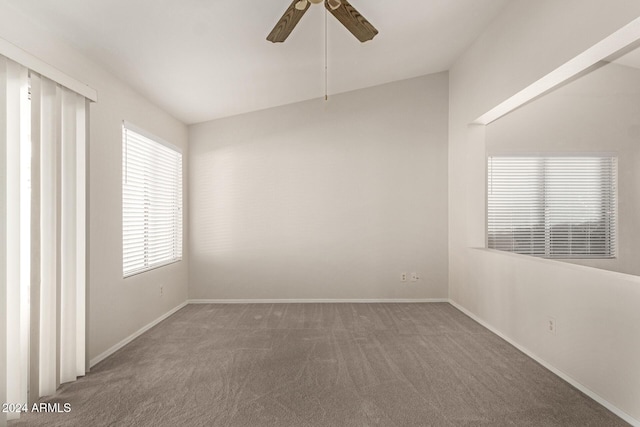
<point x="553" y="207"/>
<point x="151" y="202"/>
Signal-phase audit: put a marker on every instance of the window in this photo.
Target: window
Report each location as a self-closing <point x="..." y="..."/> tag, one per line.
<point x="151" y="202"/>
<point x="552" y="207"/>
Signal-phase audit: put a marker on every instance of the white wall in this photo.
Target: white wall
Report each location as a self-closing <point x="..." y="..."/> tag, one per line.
<point x="117" y="307"/>
<point x="597" y="343"/>
<point x="599" y="112"/>
<point x="323" y="200"/>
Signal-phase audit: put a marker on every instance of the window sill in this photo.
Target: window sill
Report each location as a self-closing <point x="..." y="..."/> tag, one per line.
<point x="154" y="267"/>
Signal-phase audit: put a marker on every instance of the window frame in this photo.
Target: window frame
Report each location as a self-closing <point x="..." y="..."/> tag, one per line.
<point x="127" y="126"/>
<point x="612" y="238"/>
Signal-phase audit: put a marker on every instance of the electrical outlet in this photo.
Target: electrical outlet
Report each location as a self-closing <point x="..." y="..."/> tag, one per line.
<point x="414" y="277"/>
<point x="161" y="290"/>
<point x="551" y="325"/>
<point x="403" y="277"/>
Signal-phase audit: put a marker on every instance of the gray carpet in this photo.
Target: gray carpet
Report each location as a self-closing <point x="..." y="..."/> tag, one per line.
<point x="321" y="365"/>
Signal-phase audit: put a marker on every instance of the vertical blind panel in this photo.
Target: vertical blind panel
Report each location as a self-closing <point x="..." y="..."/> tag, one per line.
<point x="151" y="203"/>
<point x="81" y="231"/>
<point x="36" y="250"/>
<point x="552" y="207"/>
<point x="68" y="241"/>
<point x="16" y="87"/>
<point x="25" y="229"/>
<point x="3" y="227"/>
<point x="50" y="143"/>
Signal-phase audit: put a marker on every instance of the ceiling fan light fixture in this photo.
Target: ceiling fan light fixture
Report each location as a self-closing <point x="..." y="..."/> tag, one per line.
<point x="334" y="4"/>
<point x="315" y="1"/>
<point x="301" y="5"/>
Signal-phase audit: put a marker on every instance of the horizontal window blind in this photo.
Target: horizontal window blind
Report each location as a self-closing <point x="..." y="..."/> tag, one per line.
<point x="151" y="203"/>
<point x="552" y="207"/>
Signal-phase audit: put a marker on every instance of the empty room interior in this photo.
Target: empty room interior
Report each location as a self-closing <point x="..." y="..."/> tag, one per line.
<point x="320" y="213"/>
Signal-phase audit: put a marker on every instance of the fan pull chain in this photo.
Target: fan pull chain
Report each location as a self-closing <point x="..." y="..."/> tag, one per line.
<point x="326" y="67"/>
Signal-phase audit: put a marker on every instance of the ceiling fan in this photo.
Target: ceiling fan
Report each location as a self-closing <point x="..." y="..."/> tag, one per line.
<point x="341" y="9"/>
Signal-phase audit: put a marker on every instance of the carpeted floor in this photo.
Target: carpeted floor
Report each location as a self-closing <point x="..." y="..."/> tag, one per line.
<point x="321" y="365"/>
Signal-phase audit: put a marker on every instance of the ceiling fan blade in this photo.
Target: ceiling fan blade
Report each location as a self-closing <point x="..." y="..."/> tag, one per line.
<point x="287" y="23"/>
<point x="353" y="21"/>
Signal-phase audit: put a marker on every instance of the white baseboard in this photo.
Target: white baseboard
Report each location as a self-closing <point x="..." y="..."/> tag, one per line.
<point x="312" y="301"/>
<point x="99" y="358"/>
<point x="619" y="412"/>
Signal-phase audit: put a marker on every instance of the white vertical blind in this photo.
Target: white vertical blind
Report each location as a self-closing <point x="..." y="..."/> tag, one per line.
<point x="80" y="104"/>
<point x="3" y="235"/>
<point x="34" y="303"/>
<point x="43" y="254"/>
<point x="25" y="229"/>
<point x="72" y="286"/>
<point x="16" y="93"/>
<point x="50" y="104"/>
<point x="151" y="202"/>
<point x="553" y="207"/>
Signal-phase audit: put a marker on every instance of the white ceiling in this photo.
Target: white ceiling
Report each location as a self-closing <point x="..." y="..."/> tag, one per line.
<point x="206" y="59"/>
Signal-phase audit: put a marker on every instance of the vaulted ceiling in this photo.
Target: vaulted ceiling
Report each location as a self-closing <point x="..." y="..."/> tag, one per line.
<point x="206" y="59"/>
